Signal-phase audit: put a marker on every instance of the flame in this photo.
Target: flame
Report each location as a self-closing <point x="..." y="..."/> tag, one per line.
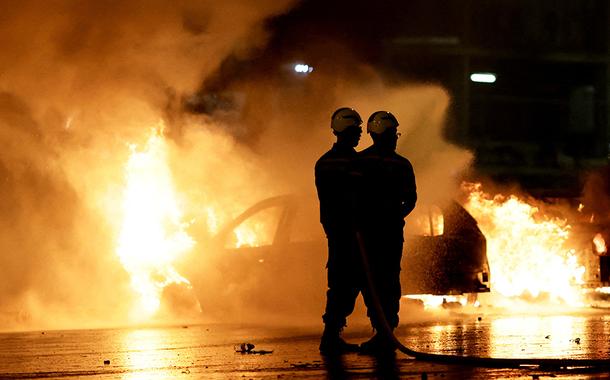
<point x="433" y="302"/>
<point x="212" y="220"/>
<point x="428" y="221"/>
<point x="526" y="250"/>
<point x="257" y="230"/>
<point x="437" y="222"/>
<point x="152" y="235"/>
<point x="246" y="236"/>
<point x="599" y="243"/>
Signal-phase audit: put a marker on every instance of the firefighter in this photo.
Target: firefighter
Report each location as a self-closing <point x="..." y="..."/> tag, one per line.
<point x="336" y="193"/>
<point x="387" y="194"/>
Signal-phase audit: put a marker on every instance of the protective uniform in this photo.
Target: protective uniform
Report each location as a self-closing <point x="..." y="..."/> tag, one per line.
<point x="387" y="194"/>
<point x="334" y="177"/>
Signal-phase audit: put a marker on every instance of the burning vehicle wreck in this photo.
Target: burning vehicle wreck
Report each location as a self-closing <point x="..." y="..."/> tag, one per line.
<point x="451" y="259"/>
<point x="591" y="239"/>
<point x="272" y="257"/>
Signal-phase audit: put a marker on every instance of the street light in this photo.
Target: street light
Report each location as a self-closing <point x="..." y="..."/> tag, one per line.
<point x="483" y="77"/>
<point x="302" y="68"/>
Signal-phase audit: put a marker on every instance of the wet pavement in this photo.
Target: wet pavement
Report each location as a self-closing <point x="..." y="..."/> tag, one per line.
<point x="208" y="351"/>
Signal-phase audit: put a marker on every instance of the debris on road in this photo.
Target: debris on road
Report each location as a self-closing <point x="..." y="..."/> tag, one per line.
<point x="245" y="347"/>
<point x="248" y="348"/>
<point x="106" y="362"/>
<point x="305" y="365"/>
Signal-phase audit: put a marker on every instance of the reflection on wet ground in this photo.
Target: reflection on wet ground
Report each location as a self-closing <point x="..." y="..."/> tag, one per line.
<point x="207" y="351"/>
<point x="553" y="336"/>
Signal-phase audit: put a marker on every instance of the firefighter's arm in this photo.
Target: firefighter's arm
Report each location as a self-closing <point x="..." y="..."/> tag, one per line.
<point x="409" y="192"/>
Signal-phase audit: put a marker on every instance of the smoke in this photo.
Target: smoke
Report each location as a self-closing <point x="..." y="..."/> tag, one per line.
<point x="422" y="110"/>
<point x="80" y="82"/>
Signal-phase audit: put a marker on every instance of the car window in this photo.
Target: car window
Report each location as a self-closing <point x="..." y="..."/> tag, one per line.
<point x="425" y="221"/>
<point x="257" y="230"/>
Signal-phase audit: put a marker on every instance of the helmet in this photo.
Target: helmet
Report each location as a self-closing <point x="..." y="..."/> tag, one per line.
<point x="343" y="118"/>
<point x="380" y="121"/>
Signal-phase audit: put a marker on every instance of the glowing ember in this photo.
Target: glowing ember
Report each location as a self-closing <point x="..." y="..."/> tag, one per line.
<point x="599" y="243"/>
<point x="526" y="250"/>
<point x="152" y="235"/>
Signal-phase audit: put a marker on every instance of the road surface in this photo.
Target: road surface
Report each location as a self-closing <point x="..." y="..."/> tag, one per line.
<point x="208" y="351"/>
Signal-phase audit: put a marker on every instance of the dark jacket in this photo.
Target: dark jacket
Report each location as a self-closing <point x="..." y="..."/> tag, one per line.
<point x="387" y="190"/>
<point x="334" y="176"/>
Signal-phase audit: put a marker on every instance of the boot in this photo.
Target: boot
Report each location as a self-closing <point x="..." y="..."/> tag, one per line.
<point x="377" y="345"/>
<point x="332" y="343"/>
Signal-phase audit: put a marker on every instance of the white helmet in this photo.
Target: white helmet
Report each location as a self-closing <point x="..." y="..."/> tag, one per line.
<point x="380" y="121"/>
<point x="344" y="118"/>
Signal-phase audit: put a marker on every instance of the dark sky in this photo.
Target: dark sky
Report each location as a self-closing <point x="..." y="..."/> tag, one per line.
<point x="551" y="58"/>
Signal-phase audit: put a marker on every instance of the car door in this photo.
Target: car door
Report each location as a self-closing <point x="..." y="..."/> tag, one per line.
<point x="448" y="260"/>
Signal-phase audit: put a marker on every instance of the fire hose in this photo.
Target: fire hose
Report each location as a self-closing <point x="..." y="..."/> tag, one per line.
<point x="459" y="359"/>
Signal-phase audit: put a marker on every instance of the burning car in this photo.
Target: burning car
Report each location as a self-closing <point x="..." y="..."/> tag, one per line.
<point x="590" y="239"/>
<point x="272" y="256"/>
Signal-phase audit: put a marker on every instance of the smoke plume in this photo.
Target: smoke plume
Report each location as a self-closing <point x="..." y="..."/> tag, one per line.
<point x="79" y="82"/>
<point x="82" y="82"/>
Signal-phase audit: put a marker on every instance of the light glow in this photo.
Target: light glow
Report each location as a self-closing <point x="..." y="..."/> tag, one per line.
<point x="483" y="77"/>
<point x="302" y="68"/>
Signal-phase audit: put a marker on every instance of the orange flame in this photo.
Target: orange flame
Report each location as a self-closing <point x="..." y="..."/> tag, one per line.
<point x="152" y="235"/>
<point x="526" y="250"/>
<point x="599" y="243"/>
